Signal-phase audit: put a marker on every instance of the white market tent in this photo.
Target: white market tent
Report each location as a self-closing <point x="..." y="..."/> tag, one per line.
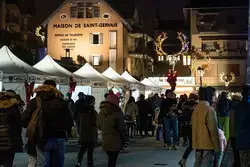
<point x="88" y="72"/>
<point x="113" y="75"/>
<point x="49" y="66"/>
<point x="130" y="78"/>
<point x="150" y="83"/>
<point x="12" y="65"/>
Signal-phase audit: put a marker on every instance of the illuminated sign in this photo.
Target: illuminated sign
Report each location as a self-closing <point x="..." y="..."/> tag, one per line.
<point x="181" y="81"/>
<point x="85" y="25"/>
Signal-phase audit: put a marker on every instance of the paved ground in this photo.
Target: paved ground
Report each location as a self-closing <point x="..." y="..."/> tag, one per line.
<point x="142" y="153"/>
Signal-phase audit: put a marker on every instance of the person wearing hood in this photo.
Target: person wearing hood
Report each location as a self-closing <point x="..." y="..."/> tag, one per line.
<point x="111" y="124"/>
<point x="86" y="120"/>
<point x="205" y="131"/>
<point x="10" y="128"/>
<point x="54" y="119"/>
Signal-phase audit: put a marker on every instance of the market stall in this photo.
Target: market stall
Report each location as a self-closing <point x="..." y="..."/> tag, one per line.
<point x="59" y="73"/>
<point x="18" y="75"/>
<point x="151" y="87"/>
<point x="97" y="83"/>
<point x="136" y="87"/>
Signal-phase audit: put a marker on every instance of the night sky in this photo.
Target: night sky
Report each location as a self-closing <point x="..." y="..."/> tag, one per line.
<point x="168" y="9"/>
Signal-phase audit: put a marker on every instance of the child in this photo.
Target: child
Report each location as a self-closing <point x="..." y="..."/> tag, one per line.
<point x="223" y="143"/>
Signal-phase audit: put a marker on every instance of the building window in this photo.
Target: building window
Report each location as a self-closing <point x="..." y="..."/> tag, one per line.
<point x="96" y="38"/>
<point x="112" y="58"/>
<point x="96" y="60"/>
<point x="96" y="12"/>
<point x="80" y="13"/>
<point x="73" y="12"/>
<point x="113" y="39"/>
<point x="231" y="20"/>
<point x="89" y="12"/>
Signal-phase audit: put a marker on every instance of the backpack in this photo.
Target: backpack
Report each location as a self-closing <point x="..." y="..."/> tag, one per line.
<point x="36" y="125"/>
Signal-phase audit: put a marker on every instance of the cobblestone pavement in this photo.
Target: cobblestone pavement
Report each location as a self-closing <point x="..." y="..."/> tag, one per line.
<point x="145" y="152"/>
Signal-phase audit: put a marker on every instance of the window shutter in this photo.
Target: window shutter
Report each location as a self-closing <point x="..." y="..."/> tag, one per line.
<point x="101" y="38"/>
<point x="101" y="60"/>
<point x="96" y="11"/>
<point x="90" y="38"/>
<point x="90" y="60"/>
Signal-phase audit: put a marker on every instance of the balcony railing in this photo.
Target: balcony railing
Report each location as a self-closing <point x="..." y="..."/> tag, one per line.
<point x="223" y="54"/>
<point x="215" y="81"/>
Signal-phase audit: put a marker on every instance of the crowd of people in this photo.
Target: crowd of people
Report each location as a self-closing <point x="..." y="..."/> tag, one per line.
<point x="204" y="122"/>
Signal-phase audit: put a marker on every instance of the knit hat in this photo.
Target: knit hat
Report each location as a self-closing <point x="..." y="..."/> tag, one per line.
<point x="113" y="99"/>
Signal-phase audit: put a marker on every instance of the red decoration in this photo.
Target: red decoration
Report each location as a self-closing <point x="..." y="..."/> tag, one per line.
<point x="72" y="85"/>
<point x="29" y="90"/>
<point x="172" y="78"/>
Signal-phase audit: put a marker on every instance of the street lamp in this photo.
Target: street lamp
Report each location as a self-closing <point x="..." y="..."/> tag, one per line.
<point x="200" y="73"/>
<point x="227" y="79"/>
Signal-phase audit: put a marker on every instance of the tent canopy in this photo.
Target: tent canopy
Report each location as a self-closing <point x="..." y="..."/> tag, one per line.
<point x="113" y="75"/>
<point x="131" y="79"/>
<point x="10" y="64"/>
<point x="148" y="82"/>
<point x="88" y="72"/>
<point x="49" y="66"/>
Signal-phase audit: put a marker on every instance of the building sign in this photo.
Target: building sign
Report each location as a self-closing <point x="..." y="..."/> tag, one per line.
<point x="181" y="81"/>
<point x="85" y="25"/>
<point x="68" y="40"/>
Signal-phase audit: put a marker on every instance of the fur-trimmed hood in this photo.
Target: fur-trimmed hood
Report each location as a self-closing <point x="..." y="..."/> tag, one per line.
<point x="48" y="92"/>
<point x="7" y="100"/>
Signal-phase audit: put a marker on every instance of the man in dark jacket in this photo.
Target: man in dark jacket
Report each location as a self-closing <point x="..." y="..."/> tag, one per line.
<point x="10" y="128"/>
<point x="56" y="119"/>
<point x="186" y="117"/>
<point x="86" y="120"/>
<point x="144" y="109"/>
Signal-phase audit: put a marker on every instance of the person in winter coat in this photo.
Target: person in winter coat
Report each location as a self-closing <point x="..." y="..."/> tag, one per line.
<point x="241" y="124"/>
<point x="131" y="109"/>
<point x="236" y="102"/>
<point x="205" y="131"/>
<point x="223" y="110"/>
<point x="70" y="103"/>
<point x="86" y="120"/>
<point x="10" y="128"/>
<point x="111" y="124"/>
<point x="56" y="120"/>
<point x="188" y="108"/>
<point x="169" y="120"/>
<point x="144" y="109"/>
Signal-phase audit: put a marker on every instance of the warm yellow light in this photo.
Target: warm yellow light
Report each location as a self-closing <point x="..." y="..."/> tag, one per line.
<point x="184" y="60"/>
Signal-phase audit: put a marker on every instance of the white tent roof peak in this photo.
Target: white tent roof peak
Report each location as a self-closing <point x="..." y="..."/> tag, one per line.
<point x="48" y="65"/>
<point x="113" y="75"/>
<point x="129" y="77"/>
<point x="150" y="83"/>
<point x="10" y="64"/>
<point x="88" y="72"/>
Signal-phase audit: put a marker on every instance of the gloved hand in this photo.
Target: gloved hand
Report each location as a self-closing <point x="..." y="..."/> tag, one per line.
<point x="125" y="145"/>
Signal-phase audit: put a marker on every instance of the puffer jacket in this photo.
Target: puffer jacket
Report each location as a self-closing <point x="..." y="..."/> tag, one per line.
<point x="10" y="124"/>
<point x="86" y="120"/>
<point x="111" y="123"/>
<point x="131" y="110"/>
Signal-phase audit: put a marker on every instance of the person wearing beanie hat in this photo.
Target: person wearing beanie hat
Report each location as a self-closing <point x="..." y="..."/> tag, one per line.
<point x="114" y="134"/>
<point x="86" y="121"/>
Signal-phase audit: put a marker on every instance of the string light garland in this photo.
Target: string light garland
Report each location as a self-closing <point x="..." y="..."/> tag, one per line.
<point x="163" y="36"/>
<point x="197" y="55"/>
<point x="227" y="79"/>
<point x="38" y="34"/>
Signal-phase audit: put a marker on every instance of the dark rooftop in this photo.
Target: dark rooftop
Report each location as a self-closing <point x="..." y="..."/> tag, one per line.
<point x="216" y="3"/>
<point x="170" y="24"/>
<point x="124" y="8"/>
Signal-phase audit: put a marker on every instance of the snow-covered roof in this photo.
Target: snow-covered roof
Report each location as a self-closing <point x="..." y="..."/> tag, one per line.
<point x="88" y="72"/>
<point x="113" y="75"/>
<point x="10" y="64"/>
<point x="150" y="83"/>
<point x="130" y="78"/>
<point x="49" y="66"/>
